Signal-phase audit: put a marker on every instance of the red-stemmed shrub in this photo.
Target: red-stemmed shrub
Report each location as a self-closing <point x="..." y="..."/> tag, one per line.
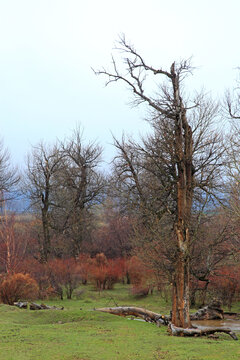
<point x="114" y="273"/>
<point x="99" y="271"/>
<point x="63" y="274"/>
<point x="53" y="277"/>
<point x="105" y="273"/>
<point x="83" y="268"/>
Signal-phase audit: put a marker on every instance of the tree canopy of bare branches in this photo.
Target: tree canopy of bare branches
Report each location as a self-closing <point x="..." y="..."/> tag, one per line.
<point x="9" y="177"/>
<point x="63" y="183"/>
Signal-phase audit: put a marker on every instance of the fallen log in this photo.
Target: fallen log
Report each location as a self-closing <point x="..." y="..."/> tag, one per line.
<point x="153" y="317"/>
<point x="177" y="331"/>
<point x="144" y="314"/>
<point x="213" y="311"/>
<point x="34" y="306"/>
<point x="21" y="304"/>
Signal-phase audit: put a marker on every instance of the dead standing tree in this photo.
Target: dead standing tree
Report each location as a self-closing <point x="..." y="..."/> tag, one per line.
<point x="169" y="106"/>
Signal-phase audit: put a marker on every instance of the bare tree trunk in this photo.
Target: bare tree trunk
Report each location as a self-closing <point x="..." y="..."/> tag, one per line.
<point x="180" y="300"/>
<point x="183" y="153"/>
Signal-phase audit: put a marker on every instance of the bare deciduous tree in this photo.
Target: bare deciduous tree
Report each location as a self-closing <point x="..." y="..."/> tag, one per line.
<point x="164" y="171"/>
<point x="9" y="177"/>
<point x="232" y="101"/>
<point x="63" y="183"/>
<point x="82" y="188"/>
<point x="43" y="167"/>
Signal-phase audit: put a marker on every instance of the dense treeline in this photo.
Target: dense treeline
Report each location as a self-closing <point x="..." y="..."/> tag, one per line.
<point x="215" y="270"/>
<point x="170" y="202"/>
<point x="117" y="240"/>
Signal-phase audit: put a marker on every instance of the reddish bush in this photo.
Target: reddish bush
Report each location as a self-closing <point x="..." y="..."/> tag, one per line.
<point x="106" y="273"/>
<point x="18" y="287"/>
<point x="114" y="273"/>
<point x="121" y="268"/>
<point x="83" y="268"/>
<point x="53" y="277"/>
<point x="39" y="272"/>
<point x="99" y="271"/>
<point x="63" y="274"/>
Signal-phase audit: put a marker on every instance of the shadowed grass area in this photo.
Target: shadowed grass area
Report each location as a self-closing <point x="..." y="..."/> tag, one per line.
<point x="79" y="333"/>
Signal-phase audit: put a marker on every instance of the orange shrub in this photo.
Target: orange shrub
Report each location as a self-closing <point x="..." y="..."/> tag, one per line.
<point x="99" y="271"/>
<point x="83" y="268"/>
<point x="115" y="271"/>
<point x="63" y="274"/>
<point x="18" y="287"/>
<point x="105" y="273"/>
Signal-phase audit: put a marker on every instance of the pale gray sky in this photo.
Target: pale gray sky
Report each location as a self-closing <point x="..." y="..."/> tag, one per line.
<point x="47" y="49"/>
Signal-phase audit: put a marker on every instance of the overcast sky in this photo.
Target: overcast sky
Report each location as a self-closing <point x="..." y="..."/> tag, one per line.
<point x="48" y="47"/>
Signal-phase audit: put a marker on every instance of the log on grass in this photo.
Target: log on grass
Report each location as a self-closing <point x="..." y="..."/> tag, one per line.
<point x="178" y="331"/>
<point x="34" y="306"/>
<point x="144" y="314"/>
<point x="21" y="304"/>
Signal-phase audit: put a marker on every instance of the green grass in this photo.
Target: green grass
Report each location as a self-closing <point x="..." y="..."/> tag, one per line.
<point x="79" y="333"/>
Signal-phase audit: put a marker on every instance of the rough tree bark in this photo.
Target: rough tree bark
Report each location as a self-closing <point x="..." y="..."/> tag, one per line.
<point x="184" y="152"/>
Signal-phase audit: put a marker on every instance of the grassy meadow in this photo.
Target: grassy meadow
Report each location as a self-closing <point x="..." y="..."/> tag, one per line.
<point x="80" y="333"/>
